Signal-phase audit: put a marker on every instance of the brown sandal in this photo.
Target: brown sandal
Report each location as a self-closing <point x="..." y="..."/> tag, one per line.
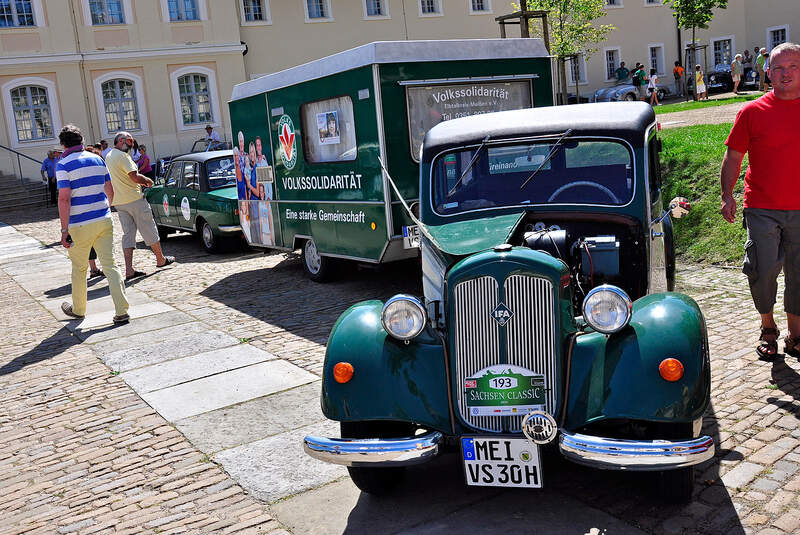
<point x="792" y="346"/>
<point x="768" y="348"/>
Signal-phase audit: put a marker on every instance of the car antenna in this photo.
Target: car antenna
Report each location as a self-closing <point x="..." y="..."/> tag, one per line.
<point x="548" y="158"/>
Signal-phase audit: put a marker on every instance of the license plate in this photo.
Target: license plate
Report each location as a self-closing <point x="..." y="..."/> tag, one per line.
<point x="501" y="462"/>
<point x="411" y="237"/>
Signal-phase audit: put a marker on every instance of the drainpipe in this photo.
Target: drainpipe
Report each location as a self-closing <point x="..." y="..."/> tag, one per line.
<point x="82" y="68"/>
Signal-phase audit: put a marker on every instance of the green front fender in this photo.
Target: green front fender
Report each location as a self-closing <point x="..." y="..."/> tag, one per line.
<point x="617" y="377"/>
<point x="392" y="380"/>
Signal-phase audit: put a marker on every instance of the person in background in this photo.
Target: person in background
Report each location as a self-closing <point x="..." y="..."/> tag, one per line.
<point x="211" y="138"/>
<point x="104" y="148"/>
<point x="737" y="70"/>
<point x="144" y="163"/>
<point x="652" y="88"/>
<point x="760" y="60"/>
<point x="135" y="154"/>
<point x="84" y="195"/>
<point x="622" y="72"/>
<point x="766" y="129"/>
<point x="677" y="73"/>
<point x="48" y="172"/>
<point x="747" y="59"/>
<point x="700" y="83"/>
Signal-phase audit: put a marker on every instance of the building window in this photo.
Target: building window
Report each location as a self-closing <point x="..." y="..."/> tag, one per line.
<point x="376" y="8"/>
<point x="430" y="7"/>
<point x="16" y="13"/>
<point x="777" y="35"/>
<point x="576" y="67"/>
<point x="480" y="6"/>
<point x="652" y="2"/>
<point x="317" y="9"/>
<point x="183" y="10"/>
<point x="614" y="3"/>
<point x="195" y="99"/>
<point x="106" y="12"/>
<point x="119" y="103"/>
<point x="253" y="11"/>
<point x="657" y="58"/>
<point x="32" y="113"/>
<point x="722" y="52"/>
<point x="612" y="62"/>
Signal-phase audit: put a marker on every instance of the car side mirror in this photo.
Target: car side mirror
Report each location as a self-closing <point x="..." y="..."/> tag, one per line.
<point x="679" y="207"/>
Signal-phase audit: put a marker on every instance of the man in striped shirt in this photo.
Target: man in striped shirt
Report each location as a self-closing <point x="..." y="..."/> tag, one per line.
<point x="84" y="195"/>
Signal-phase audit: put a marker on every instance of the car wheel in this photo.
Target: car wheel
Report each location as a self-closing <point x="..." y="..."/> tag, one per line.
<point x="318" y="268"/>
<point x="163" y="232"/>
<point x="630" y="97"/>
<point x="207" y="238"/>
<point x="661" y="94"/>
<point x="377" y="481"/>
<point x="676" y="486"/>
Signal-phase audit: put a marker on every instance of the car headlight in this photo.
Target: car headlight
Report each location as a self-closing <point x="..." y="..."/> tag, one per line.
<point x="607" y="309"/>
<point x="403" y="317"/>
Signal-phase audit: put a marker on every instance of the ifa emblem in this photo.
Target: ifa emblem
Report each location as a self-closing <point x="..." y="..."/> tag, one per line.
<point x="288" y="142"/>
<point x="501" y="314"/>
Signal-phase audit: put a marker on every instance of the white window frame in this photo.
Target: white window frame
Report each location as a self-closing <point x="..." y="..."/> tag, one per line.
<point x="309" y="20"/>
<point x="439" y="12"/>
<point x="201" y="7"/>
<point x="605" y="61"/>
<point x="768" y="38"/>
<point x="216" y="111"/>
<point x="55" y="112"/>
<point x="660" y="59"/>
<point x="127" y="12"/>
<point x="617" y="6"/>
<point x="38" y="16"/>
<point x="138" y="87"/>
<point x="584" y="78"/>
<point x="385" y="16"/>
<point x="731" y="38"/>
<point x="488" y="11"/>
<point x="267" y="15"/>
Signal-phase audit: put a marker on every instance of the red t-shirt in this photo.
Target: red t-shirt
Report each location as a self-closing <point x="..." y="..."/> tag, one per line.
<point x="768" y="129"/>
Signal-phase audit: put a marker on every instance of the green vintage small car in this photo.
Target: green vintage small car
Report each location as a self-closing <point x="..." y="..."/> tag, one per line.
<point x="198" y="194"/>
<point x="547" y="318"/>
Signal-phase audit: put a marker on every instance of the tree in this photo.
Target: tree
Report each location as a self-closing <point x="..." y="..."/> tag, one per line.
<point x="571" y="28"/>
<point x="695" y="14"/>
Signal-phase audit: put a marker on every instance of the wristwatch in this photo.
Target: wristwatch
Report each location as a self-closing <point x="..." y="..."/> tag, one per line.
<point x="64" y="231"/>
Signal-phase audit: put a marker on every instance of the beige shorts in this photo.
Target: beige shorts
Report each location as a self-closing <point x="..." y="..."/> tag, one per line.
<point x="134" y="216"/>
<point x="736" y="77"/>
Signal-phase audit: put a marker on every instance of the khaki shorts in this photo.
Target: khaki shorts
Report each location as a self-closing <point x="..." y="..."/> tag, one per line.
<point x="641" y="90"/>
<point x="134" y="216"/>
<point x="773" y="244"/>
<point x="736" y="77"/>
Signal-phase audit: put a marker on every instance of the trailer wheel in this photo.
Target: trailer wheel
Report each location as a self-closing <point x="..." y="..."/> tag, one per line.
<point x="318" y="268"/>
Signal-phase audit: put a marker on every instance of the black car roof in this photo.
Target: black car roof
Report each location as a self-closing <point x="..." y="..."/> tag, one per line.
<point x="203" y="156"/>
<point x="627" y="120"/>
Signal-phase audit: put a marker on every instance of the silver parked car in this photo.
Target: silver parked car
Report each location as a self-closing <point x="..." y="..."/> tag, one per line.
<point x="624" y="91"/>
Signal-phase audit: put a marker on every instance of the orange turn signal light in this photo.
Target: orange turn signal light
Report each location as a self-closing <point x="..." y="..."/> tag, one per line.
<point x="343" y="372"/>
<point x="671" y="369"/>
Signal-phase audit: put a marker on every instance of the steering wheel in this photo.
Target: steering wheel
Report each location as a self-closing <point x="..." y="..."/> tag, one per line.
<point x="579" y="183"/>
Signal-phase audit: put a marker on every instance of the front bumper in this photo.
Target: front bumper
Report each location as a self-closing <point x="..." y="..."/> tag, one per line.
<point x="230" y="228"/>
<point x="374" y="451"/>
<point x="637" y="455"/>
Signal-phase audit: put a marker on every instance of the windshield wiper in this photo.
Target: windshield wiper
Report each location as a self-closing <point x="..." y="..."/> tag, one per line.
<point x="549" y="157"/>
<point x="471" y="163"/>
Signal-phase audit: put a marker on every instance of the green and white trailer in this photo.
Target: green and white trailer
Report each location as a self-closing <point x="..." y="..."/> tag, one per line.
<point x="311" y="139"/>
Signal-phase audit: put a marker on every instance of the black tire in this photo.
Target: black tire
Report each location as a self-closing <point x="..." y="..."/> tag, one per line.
<point x="630" y="97"/>
<point x="377" y="481"/>
<point x="163" y="232"/>
<point x="211" y="243"/>
<point x="676" y="486"/>
<point x="318" y="268"/>
<point x="661" y="94"/>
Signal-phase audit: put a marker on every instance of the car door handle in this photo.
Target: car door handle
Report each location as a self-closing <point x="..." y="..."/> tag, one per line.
<point x="173" y="196"/>
<point x="194" y="198"/>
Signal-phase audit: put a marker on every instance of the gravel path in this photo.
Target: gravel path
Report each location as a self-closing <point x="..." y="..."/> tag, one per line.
<point x="713" y="115"/>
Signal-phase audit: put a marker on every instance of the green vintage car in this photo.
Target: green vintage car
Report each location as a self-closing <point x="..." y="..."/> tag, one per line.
<point x="198" y="194"/>
<point x="547" y="318"/>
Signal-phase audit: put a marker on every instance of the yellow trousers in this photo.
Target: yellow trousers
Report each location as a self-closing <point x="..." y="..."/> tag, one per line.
<point x="97" y="234"/>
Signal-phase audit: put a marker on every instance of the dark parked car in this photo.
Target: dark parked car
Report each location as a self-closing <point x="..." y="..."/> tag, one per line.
<point x="198" y="194"/>
<point x="200" y="145"/>
<point x="547" y="319"/>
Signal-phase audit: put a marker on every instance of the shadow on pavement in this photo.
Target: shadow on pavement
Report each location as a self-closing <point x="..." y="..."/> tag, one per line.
<point x="59" y="342"/>
<point x="787" y="380"/>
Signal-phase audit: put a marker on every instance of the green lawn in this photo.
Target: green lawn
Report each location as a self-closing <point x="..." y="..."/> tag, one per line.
<point x="691" y="161"/>
<point x="691" y="105"/>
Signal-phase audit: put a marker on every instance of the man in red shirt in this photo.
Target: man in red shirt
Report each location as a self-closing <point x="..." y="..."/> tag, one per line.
<point x="767" y="129"/>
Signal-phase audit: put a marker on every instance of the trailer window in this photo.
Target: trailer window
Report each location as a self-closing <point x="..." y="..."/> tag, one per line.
<point x="329" y="130"/>
<point x="433" y="104"/>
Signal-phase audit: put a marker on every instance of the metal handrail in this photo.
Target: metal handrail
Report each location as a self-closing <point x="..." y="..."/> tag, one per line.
<point x="19" y="162"/>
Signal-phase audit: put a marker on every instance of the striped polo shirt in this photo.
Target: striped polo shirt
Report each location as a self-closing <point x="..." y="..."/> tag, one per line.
<point x="85" y="174"/>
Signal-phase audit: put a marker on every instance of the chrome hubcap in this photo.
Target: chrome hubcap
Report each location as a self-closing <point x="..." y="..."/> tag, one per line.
<point x="208" y="236"/>
<point x="313" y="260"/>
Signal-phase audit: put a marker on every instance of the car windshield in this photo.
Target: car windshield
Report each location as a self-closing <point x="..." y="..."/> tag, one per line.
<point x="577" y="172"/>
<point x="203" y="146"/>
<point x="221" y="172"/>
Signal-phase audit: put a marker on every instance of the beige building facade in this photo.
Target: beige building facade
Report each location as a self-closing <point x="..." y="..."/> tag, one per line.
<point x="164" y="69"/>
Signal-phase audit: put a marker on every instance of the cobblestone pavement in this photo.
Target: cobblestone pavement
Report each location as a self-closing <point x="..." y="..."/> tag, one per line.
<point x="752" y="485"/>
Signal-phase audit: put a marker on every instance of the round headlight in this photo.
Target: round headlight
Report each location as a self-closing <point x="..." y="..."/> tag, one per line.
<point x="607" y="309"/>
<point x="403" y="317"/>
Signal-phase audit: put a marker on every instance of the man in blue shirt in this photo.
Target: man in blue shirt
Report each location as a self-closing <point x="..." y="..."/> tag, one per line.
<point x="49" y="173"/>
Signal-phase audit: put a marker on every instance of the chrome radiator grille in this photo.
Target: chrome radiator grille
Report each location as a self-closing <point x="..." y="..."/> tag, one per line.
<point x="530" y="337"/>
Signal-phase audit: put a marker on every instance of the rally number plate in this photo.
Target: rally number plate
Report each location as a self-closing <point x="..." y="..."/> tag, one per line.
<point x="501" y="462"/>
